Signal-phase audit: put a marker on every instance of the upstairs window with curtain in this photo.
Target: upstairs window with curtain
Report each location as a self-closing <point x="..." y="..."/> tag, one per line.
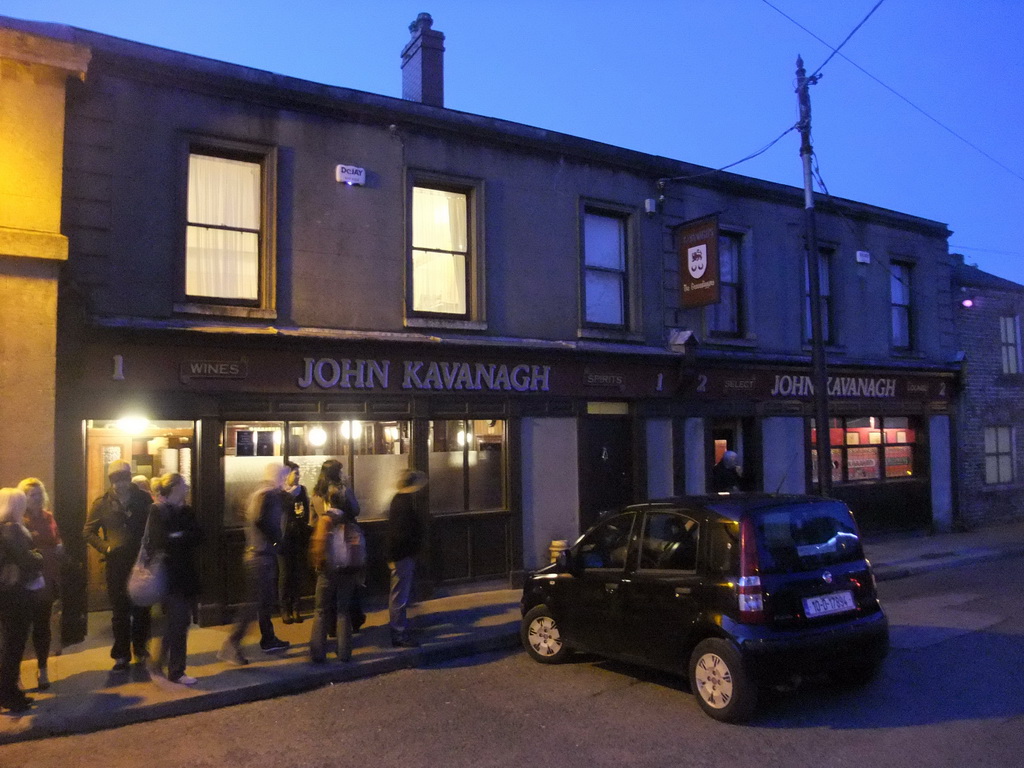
<point x="1009" y="340"/>
<point x="726" y="317"/>
<point x="899" y="283"/>
<point x="824" y="292"/>
<point x="223" y="231"/>
<point x="604" y="269"/>
<point x="440" y="251"/>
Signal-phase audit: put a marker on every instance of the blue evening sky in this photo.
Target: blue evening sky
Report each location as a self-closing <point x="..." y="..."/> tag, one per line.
<point x="705" y="81"/>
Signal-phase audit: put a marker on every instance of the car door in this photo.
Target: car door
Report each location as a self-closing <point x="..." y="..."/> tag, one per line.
<point x="587" y="604"/>
<point x="660" y="596"/>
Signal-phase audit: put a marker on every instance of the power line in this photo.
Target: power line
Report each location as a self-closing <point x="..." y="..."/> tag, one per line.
<point x="761" y="151"/>
<point x="892" y="90"/>
<point x="852" y="32"/>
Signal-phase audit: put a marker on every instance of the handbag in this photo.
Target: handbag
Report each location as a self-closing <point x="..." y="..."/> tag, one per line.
<point x="147" y="582"/>
<point x="347" y="547"/>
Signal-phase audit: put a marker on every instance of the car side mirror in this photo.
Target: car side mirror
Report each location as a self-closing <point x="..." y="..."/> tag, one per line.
<point x="567" y="562"/>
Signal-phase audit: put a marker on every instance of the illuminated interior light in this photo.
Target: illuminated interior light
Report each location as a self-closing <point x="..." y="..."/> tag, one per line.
<point x="133" y="425"/>
<point x="351" y="429"/>
<point x="967" y="303"/>
<point x="317" y="437"/>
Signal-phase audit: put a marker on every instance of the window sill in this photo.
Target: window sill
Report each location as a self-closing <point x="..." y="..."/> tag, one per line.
<point x="440" y="322"/>
<point x="603" y="334"/>
<point x="747" y="342"/>
<point x="251" y="313"/>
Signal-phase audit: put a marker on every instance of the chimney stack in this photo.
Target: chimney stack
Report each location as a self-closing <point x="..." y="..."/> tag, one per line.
<point x="423" y="63"/>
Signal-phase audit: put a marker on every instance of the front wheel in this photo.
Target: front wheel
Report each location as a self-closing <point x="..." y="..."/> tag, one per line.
<point x="541" y="638"/>
<point x="718" y="680"/>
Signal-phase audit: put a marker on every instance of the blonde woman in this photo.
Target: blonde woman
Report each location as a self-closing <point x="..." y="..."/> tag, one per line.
<point x="46" y="538"/>
<point x="20" y="571"/>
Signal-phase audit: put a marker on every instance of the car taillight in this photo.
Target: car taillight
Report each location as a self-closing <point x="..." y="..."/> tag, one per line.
<point x="749" y="592"/>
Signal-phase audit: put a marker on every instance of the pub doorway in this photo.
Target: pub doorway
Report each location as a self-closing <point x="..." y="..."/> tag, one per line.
<point x="153" y="448"/>
<point x="605" y="464"/>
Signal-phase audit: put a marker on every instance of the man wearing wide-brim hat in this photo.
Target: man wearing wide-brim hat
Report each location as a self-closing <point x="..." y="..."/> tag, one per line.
<point x="404" y="542"/>
<point x="114" y="528"/>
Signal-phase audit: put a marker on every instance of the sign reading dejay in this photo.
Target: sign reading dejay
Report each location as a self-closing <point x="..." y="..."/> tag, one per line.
<point x="838" y="386"/>
<point x="345" y="373"/>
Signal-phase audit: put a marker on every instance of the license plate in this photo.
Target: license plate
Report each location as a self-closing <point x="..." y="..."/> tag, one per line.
<point x="823" y="605"/>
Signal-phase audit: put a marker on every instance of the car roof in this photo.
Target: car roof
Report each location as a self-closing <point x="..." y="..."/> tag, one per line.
<point x="731" y="505"/>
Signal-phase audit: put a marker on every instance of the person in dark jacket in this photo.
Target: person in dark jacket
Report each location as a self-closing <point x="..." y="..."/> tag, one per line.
<point x="290" y="554"/>
<point x="174" y="531"/>
<point x="114" y="528"/>
<point x="725" y="476"/>
<point x="263" y="532"/>
<point x="336" y="582"/>
<point x="404" y="542"/>
<point x="20" y="574"/>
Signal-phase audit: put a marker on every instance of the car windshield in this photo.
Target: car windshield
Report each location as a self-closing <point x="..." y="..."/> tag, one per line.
<point x="806" y="536"/>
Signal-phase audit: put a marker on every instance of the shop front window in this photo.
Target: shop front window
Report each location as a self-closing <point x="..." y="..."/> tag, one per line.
<point x="869" y="449"/>
<point x="466" y="465"/>
<point x="373" y="453"/>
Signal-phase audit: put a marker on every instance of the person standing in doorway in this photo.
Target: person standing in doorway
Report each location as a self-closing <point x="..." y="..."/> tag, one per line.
<point x="114" y="528"/>
<point x="46" y="539"/>
<point x="404" y="542"/>
<point x="726" y="476"/>
<point x="174" y="530"/>
<point x="293" y="546"/>
<point x="264" y="530"/>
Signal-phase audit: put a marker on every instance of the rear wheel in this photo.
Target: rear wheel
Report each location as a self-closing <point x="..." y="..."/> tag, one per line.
<point x="541" y="638"/>
<point x="718" y="680"/>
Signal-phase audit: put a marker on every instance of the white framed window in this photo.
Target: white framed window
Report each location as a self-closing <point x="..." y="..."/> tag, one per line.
<point x="825" y="294"/>
<point x="726" y="317"/>
<point x="899" y="286"/>
<point x="1009" y="341"/>
<point x="999" y="465"/>
<point x="440" y="260"/>
<point x="605" y="262"/>
<point x="224" y="236"/>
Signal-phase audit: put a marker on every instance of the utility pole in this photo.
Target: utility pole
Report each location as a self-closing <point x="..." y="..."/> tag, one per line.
<point x="819" y="374"/>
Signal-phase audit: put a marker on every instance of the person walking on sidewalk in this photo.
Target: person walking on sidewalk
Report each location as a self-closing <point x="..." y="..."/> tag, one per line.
<point x="338" y="554"/>
<point x="46" y="539"/>
<point x="290" y="556"/>
<point x="114" y="528"/>
<point x="404" y="543"/>
<point x="20" y="574"/>
<point x="174" y="531"/>
<point x="263" y="532"/>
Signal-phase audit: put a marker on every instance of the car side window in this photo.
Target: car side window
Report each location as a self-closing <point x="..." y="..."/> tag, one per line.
<point x="669" y="542"/>
<point x="606" y="546"/>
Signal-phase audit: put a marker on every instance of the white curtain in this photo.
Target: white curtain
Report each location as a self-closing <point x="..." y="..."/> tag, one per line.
<point x="223" y="263"/>
<point x="440" y="245"/>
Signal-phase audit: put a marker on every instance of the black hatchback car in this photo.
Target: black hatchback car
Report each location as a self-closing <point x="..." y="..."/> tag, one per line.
<point x="734" y="591"/>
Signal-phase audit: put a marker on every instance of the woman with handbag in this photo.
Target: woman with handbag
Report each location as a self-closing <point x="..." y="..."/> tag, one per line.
<point x="174" y="533"/>
<point x="338" y="555"/>
<point x="20" y="574"/>
<point x="46" y="538"/>
<point x="332" y="478"/>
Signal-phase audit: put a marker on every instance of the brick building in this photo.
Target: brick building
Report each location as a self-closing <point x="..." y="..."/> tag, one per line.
<point x="990" y="411"/>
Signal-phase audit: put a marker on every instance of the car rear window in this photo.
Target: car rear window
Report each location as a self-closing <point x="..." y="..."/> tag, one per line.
<point x="806" y="536"/>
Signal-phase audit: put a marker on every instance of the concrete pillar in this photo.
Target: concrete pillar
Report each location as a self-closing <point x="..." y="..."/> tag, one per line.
<point x="33" y="78"/>
<point x="659" y="458"/>
<point x="551" y="495"/>
<point x="695" y="472"/>
<point x="941" y="461"/>
<point x="784" y="454"/>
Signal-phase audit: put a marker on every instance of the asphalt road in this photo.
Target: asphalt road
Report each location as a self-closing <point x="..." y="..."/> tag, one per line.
<point x="951" y="695"/>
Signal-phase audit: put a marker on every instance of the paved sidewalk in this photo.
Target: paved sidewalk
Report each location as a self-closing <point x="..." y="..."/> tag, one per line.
<point x="87" y="696"/>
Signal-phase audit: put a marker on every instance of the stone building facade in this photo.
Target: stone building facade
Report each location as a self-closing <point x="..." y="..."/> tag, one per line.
<point x="990" y="413"/>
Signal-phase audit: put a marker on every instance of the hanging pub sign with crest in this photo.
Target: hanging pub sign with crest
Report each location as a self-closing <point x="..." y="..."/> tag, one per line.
<point x="698" y="261"/>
